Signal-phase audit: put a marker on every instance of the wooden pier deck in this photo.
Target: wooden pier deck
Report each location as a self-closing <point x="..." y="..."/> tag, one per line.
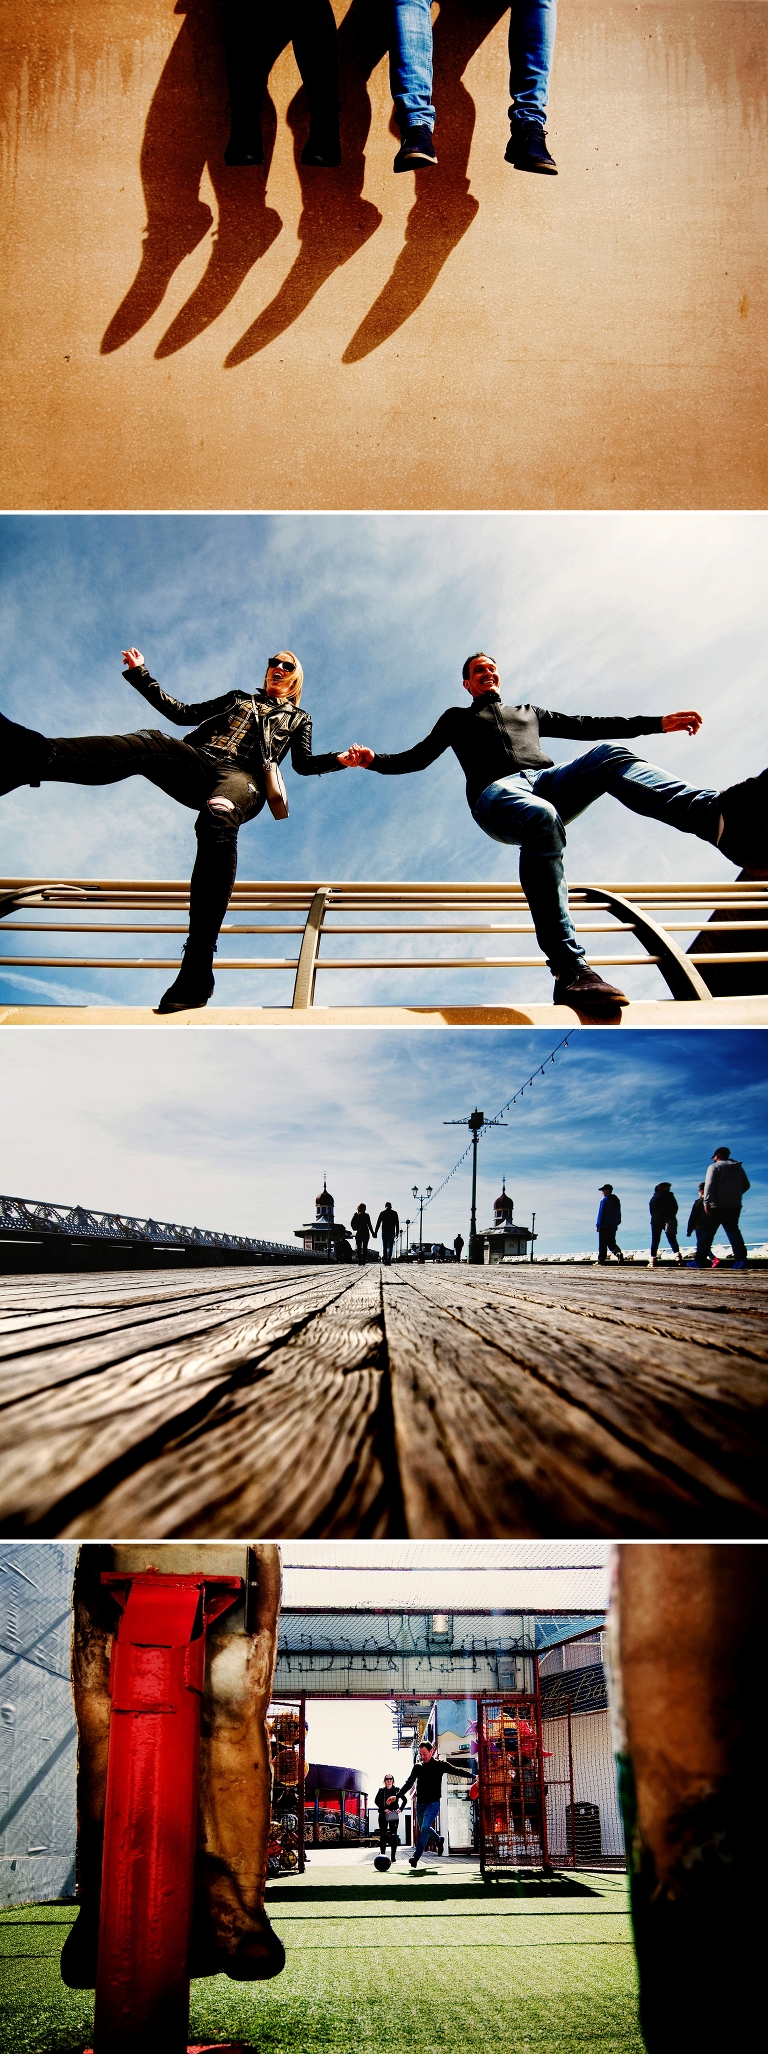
<point x="411" y="1401"/>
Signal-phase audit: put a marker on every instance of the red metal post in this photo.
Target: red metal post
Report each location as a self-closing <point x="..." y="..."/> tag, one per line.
<point x="540" y="1749"/>
<point x="156" y="1685"/>
<point x="570" y="1779"/>
<point x="302" y="1781"/>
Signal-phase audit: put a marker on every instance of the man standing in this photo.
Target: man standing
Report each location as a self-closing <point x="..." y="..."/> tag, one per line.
<point x="390" y="1227"/>
<point x="457" y="1246"/>
<point x="389" y="1804"/>
<point x="362" y="1229"/>
<point x="662" y="1207"/>
<point x="724" y="1186"/>
<point x="427" y="1774"/>
<point x="608" y="1219"/>
<point x="517" y="795"/>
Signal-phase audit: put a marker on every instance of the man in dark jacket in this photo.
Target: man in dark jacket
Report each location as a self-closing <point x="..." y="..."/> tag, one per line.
<point x="427" y="1774"/>
<point x="362" y="1229"/>
<point x="390" y="1227"/>
<point x="697" y="1224"/>
<point x="218" y="769"/>
<point x="608" y="1220"/>
<point x="724" y="1186"/>
<point x="517" y="795"/>
<point x="390" y="1805"/>
<point x="662" y="1207"/>
<point x="457" y="1246"/>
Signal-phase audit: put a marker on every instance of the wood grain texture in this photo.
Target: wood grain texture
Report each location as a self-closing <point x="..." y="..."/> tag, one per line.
<point x="434" y="1401"/>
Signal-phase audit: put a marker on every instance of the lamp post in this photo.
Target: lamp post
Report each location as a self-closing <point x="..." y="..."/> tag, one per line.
<point x="533" y="1236"/>
<point x="407" y="1240"/>
<point x="421" y="1199"/>
<point x="476" y="1122"/>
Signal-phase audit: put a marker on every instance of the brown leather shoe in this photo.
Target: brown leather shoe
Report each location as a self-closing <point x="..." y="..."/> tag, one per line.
<point x="587" y="992"/>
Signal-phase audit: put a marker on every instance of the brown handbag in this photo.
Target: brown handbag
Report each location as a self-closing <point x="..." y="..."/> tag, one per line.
<point x="274" y="788"/>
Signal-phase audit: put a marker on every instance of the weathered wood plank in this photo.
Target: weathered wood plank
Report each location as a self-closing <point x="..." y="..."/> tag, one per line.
<point x="423" y="1401"/>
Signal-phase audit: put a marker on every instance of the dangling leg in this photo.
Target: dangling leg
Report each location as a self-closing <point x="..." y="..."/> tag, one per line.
<point x="512" y="810"/>
<point x="252" y="42"/>
<point x="233" y="800"/>
<point x="316" y="49"/>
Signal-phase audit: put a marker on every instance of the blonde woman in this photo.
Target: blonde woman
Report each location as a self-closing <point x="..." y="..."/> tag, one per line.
<point x="227" y="769"/>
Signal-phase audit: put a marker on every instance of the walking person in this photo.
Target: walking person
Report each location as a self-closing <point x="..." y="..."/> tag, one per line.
<point x="226" y="771"/>
<point x="608" y="1222"/>
<point x="427" y="1774"/>
<point x="724" y="1186"/>
<point x="363" y="1229"/>
<point x="389" y="1803"/>
<point x="697" y="1224"/>
<point x="517" y="795"/>
<point x="390" y="1227"/>
<point x="662" y="1207"/>
<point x="458" y="1246"/>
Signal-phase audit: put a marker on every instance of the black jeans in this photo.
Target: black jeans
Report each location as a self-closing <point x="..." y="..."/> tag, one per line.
<point x="226" y="795"/>
<point x="361" y="1244"/>
<point x="386" y="1251"/>
<point x="728" y="1219"/>
<point x="659" y="1227"/>
<point x="388" y="1835"/>
<point x="607" y="1239"/>
<point x="255" y="34"/>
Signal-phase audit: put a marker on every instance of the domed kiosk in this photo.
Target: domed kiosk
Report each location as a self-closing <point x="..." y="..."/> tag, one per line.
<point x="324" y="1235"/>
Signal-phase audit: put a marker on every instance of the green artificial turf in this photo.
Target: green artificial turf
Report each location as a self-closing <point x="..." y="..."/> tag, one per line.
<point x="437" y="1965"/>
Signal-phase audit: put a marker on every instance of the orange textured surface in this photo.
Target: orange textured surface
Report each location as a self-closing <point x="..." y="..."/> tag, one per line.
<point x="470" y="337"/>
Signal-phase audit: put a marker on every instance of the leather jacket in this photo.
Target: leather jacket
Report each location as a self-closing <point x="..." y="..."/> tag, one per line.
<point x="247" y="728"/>
<point x="493" y="741"/>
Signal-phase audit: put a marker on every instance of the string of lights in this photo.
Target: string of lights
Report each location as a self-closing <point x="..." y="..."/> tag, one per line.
<point x="538" y="1072"/>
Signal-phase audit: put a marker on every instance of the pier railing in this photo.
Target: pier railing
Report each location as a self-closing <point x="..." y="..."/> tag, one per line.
<point x="33" y="1219"/>
<point x="678" y="928"/>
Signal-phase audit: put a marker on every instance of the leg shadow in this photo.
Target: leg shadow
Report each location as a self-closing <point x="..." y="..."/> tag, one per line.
<point x="186" y="129"/>
<point x="335" y="221"/>
<point x="444" y="208"/>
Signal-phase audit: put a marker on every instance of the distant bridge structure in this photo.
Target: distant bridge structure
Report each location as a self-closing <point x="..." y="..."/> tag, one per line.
<point x="37" y="1233"/>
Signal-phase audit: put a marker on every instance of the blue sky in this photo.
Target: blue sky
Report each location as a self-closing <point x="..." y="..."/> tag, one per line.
<point x="235" y="1130"/>
<point x="587" y="613"/>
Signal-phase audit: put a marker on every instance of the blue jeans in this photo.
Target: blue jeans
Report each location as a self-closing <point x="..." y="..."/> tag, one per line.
<point x="425" y="1819"/>
<point x="532" y="25"/>
<point x="531" y="807"/>
<point x="410" y="64"/>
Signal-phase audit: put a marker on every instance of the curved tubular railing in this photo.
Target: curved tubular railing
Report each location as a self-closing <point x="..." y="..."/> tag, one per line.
<point x="319" y="914"/>
<point x="33" y="1216"/>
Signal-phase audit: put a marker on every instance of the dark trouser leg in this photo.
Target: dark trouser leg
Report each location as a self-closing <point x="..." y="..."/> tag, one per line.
<point x="602" y="1247"/>
<point x="110" y="759"/>
<point x="703" y="1243"/>
<point x="253" y="38"/>
<point x="728" y="1219"/>
<point x="316" y="49"/>
<point x="233" y="800"/>
<point x="386" y="1250"/>
<point x="671" y="1234"/>
<point x="510" y="810"/>
<point x="656" y="1233"/>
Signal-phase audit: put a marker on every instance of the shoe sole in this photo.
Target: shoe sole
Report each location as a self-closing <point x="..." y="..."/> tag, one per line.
<point x="415" y="163"/>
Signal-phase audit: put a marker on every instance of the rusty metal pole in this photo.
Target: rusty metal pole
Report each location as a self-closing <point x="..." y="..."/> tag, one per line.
<point x="302" y="1782"/>
<point x="540" y="1753"/>
<point x="157" y="1677"/>
<point x="570" y="1778"/>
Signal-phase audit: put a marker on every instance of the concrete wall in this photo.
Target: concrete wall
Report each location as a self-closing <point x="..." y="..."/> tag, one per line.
<point x="468" y="338"/>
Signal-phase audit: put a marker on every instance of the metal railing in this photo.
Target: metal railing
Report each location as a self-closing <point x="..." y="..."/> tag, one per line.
<point x="27" y="1218"/>
<point x="321" y="914"/>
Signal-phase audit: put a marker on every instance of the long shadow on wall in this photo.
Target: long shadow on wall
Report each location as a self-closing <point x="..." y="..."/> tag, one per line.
<point x="335" y="224"/>
<point x="187" y="129"/>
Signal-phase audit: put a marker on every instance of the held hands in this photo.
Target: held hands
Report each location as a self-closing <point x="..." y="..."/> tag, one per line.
<point x="132" y="658"/>
<point x="356" y="757"/>
<point x="691" y="722"/>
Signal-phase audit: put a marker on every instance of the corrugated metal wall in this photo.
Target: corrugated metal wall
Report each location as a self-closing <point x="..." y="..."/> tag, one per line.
<point x="37" y="1723"/>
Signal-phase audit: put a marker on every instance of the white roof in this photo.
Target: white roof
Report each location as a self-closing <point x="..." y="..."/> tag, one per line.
<point x="453" y="1576"/>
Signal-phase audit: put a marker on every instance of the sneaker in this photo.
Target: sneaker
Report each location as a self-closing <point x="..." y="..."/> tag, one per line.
<point x="586" y="991"/>
<point x="413" y="1863"/>
<point x="744" y="808"/>
<point x="738" y="1265"/>
<point x="527" y="148"/>
<point x="194" y="985"/>
<point x="416" y="150"/>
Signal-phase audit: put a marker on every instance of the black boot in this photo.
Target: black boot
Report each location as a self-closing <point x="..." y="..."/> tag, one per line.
<point x="527" y="148"/>
<point x="24" y="755"/>
<point x="245" y="144"/>
<point x="323" y="145"/>
<point x="195" y="982"/>
<point x="744" y="808"/>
